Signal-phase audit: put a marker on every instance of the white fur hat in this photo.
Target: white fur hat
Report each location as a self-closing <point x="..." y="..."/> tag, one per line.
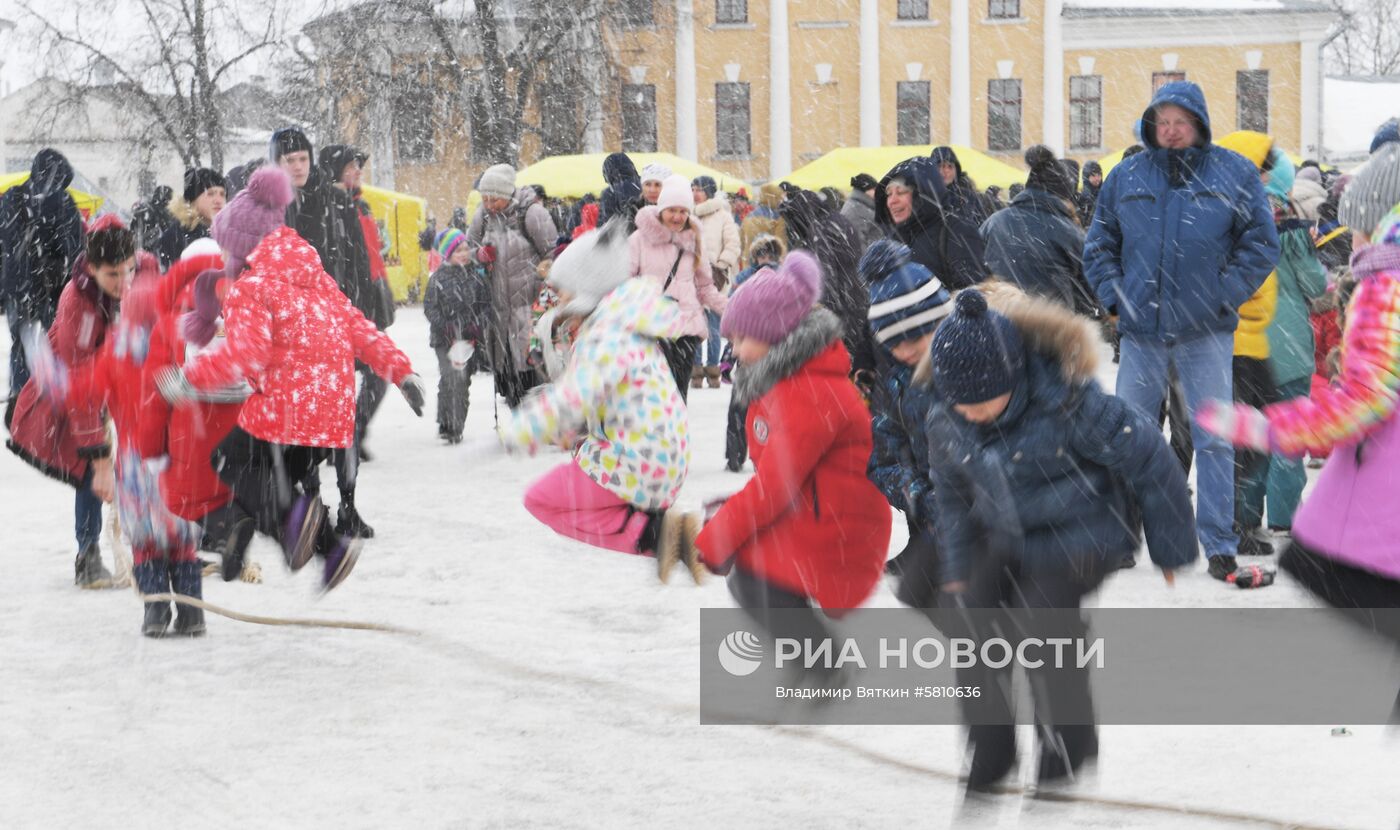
<point x="591" y="267"/>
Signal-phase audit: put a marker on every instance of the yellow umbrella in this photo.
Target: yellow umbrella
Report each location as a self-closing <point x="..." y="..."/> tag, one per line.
<point x="402" y="218"/>
<point x="572" y="177"/>
<point x="836" y="168"/>
<point x="87" y="203"/>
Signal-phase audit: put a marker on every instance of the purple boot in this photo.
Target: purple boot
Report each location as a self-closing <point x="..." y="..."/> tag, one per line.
<point x="300" y="529"/>
<point x="340" y="561"/>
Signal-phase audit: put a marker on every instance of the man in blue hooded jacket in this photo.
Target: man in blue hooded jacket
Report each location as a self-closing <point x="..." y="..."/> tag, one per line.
<point x="1182" y="236"/>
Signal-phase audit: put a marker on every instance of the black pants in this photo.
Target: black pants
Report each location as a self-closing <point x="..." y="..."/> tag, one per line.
<point x="1176" y="414"/>
<point x="264" y="477"/>
<point x="513" y="385"/>
<point x="1343" y="586"/>
<point x="454" y="388"/>
<point x="372" y="391"/>
<point x="758" y="597"/>
<point x="919" y="569"/>
<point x="680" y="355"/>
<point x="736" y="437"/>
<point x="1254" y="386"/>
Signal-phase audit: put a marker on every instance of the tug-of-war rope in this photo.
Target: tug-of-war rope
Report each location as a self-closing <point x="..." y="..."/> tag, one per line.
<point x="122" y="579"/>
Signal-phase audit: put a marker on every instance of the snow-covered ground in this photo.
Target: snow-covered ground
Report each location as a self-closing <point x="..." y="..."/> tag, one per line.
<point x="551" y="685"/>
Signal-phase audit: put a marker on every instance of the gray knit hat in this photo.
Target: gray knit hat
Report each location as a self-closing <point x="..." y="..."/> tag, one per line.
<point x="498" y="180"/>
<point x="1373" y="191"/>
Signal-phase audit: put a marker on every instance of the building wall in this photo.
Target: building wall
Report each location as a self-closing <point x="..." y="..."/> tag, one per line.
<point x="1019" y="41"/>
<point x="904" y="42"/>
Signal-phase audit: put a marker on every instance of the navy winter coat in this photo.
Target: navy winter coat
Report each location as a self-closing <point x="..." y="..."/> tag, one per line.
<point x="813" y="226"/>
<point x="899" y="464"/>
<point x="457" y="305"/>
<point x="1036" y="244"/>
<point x="938" y="239"/>
<point x="41" y="236"/>
<point x="1180" y="238"/>
<point x="1059" y="481"/>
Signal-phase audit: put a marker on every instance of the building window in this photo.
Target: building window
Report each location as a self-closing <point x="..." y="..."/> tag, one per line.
<point x="635" y="13"/>
<point x="1004" y="114"/>
<point x="413" y="122"/>
<point x="1252" y="99"/>
<point x="1085" y="111"/>
<point x="561" y="132"/>
<point x="731" y="11"/>
<point x="145" y="183"/>
<point x="1003" y="9"/>
<point x="732" y="119"/>
<point x="912" y="10"/>
<point x="1160" y="78"/>
<point x="912" y="106"/>
<point x="638" y="118"/>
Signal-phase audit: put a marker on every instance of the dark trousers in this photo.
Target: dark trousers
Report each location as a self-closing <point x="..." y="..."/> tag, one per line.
<point x="372" y="391"/>
<point x="87" y="514"/>
<point x="1254" y="386"/>
<point x="1343" y="586"/>
<point x="736" y="437"/>
<point x="513" y="385"/>
<point x="758" y="597"/>
<point x="680" y="356"/>
<point x="454" y="386"/>
<point x="264" y="478"/>
<point x="1178" y="417"/>
<point x="19" y="369"/>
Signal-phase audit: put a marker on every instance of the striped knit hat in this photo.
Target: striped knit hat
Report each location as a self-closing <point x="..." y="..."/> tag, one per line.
<point x="906" y="299"/>
<point x="1373" y="190"/>
<point x="448" y="240"/>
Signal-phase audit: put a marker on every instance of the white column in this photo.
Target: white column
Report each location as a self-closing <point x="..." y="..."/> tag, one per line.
<point x="1310" y="135"/>
<point x="381" y="124"/>
<point x="870" y="73"/>
<point x="595" y="62"/>
<point x="687" y="142"/>
<point x="779" y="92"/>
<point x="1054" y="77"/>
<point x="960" y="77"/>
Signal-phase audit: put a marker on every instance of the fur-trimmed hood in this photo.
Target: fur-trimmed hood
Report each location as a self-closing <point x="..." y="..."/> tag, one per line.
<point x="651" y="228"/>
<point x="709" y="206"/>
<point x="1047" y="327"/>
<point x="817" y="331"/>
<point x="185" y="214"/>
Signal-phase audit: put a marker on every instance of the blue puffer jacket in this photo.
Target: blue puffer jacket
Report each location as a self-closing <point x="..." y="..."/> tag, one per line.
<point x="1036" y="244"/>
<point x="1060" y="481"/>
<point x="899" y="464"/>
<point x="1180" y="238"/>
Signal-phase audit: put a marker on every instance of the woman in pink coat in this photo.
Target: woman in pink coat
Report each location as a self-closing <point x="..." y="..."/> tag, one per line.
<point x="666" y="248"/>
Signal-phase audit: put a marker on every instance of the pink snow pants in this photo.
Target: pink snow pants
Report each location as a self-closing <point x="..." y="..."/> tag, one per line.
<point x="576" y="506"/>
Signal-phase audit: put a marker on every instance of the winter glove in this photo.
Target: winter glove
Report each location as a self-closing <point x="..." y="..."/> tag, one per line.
<point x="1243" y="426"/>
<point x="720" y="278"/>
<point x="412" y="389"/>
<point x="486" y="254"/>
<point x="173" y="386"/>
<point x="49" y="374"/>
<point x="460" y="354"/>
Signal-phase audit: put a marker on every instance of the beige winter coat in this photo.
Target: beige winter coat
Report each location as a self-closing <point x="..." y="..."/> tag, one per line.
<point x="719" y="235"/>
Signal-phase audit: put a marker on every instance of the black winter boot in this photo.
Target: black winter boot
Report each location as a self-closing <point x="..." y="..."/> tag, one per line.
<point x="187" y="578"/>
<point x="233" y="548"/>
<point x="153" y="577"/>
<point x="993" y="756"/>
<point x="88" y="570"/>
<point x="348" y="520"/>
<point x="1076" y="744"/>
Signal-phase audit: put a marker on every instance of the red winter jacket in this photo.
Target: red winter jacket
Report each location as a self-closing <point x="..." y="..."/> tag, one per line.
<point x="373" y="244"/>
<point x="293" y="334"/>
<point x="809" y="521"/>
<point x="57" y="440"/>
<point x="188" y="434"/>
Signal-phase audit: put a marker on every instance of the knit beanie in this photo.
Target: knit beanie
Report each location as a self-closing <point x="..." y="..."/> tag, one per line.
<point x="290" y="140"/>
<point x="200" y="179"/>
<point x="336" y="157"/>
<point x="977" y="354"/>
<point x="1373" y="191"/>
<point x="655" y="173"/>
<point x="906" y="300"/>
<point x="1048" y="173"/>
<point x="863" y="182"/>
<point x="257" y="210"/>
<point x="707" y="184"/>
<point x="447" y="242"/>
<point x="771" y="303"/>
<point x="498" y="181"/>
<point x="675" y="192"/>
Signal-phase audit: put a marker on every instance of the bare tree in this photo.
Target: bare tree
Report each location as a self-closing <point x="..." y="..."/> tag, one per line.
<point x="1369" y="40"/>
<point x="171" y="63"/>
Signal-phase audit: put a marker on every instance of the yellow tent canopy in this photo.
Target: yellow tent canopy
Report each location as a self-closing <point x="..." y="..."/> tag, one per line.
<point x="836" y="168"/>
<point x="1111" y="160"/>
<point x="573" y="177"/>
<point x="401" y="219"/>
<point x="87" y="203"/>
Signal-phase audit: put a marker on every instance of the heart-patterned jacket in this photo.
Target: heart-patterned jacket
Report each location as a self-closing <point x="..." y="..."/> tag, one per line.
<point x="619" y="396"/>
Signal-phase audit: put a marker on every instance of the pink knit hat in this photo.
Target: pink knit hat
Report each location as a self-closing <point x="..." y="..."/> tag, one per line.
<point x="676" y="192"/>
<point x="257" y="210"/>
<point x="771" y="303"/>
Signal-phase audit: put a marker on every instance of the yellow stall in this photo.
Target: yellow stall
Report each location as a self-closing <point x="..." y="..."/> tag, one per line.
<point x="836" y="168"/>
<point x="573" y="177"/>
<point x="401" y="219"/>
<point x="88" y="204"/>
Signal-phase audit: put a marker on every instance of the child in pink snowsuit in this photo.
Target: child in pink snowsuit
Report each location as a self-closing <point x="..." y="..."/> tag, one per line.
<point x="619" y="397"/>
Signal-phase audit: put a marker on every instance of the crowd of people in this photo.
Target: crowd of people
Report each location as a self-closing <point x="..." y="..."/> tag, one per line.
<point x="916" y="345"/>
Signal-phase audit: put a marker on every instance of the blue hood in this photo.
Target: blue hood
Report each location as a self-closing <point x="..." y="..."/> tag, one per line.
<point x="618" y="167"/>
<point x="1184" y="94"/>
<point x="921" y="172"/>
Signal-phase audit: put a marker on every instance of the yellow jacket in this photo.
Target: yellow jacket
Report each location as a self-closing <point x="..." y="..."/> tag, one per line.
<point x="1251" y="337"/>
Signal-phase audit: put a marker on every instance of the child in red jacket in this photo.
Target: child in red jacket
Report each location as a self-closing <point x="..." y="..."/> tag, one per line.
<point x="809" y="526"/>
<point x="295" y="337"/>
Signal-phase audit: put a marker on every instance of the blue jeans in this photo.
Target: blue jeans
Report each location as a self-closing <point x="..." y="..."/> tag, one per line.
<point x="87" y="514"/>
<point x="708" y="353"/>
<point x="19" y="370"/>
<point x="1203" y="365"/>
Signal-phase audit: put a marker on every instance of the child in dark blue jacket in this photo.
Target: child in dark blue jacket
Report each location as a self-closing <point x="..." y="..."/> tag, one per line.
<point x="1040" y="479"/>
<point x="458" y="307"/>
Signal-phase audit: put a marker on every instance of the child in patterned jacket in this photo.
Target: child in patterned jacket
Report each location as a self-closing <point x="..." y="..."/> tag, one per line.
<point x="617" y="407"/>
